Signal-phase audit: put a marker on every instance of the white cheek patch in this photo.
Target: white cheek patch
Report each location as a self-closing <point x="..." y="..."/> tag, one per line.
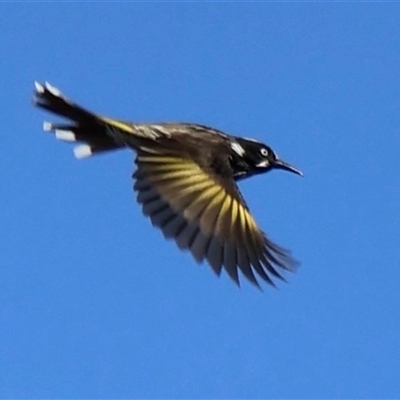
<point x="238" y="149"/>
<point x="263" y="164"/>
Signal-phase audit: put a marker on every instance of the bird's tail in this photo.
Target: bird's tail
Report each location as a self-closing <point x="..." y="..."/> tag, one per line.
<point x="95" y="132"/>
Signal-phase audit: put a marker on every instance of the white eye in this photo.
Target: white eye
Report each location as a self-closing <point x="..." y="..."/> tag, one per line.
<point x="264" y="152"/>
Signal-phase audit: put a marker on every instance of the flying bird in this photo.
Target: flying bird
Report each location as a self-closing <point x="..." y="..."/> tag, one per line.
<point x="186" y="183"/>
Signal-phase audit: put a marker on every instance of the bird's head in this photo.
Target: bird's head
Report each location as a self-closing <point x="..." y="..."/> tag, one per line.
<point x="259" y="158"/>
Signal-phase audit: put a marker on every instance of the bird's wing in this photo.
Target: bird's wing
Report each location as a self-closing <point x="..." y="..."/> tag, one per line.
<point x="206" y="214"/>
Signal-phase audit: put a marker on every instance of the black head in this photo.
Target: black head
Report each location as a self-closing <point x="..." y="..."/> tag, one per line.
<point x="257" y="158"/>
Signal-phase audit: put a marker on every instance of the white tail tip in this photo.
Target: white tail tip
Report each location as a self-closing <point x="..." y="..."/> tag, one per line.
<point x="47" y="126"/>
<point x="66" y="136"/>
<point x="83" y="151"/>
<point x="39" y="87"/>
<point x="53" y="90"/>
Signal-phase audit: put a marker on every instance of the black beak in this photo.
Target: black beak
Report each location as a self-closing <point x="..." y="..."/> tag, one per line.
<point x="279" y="164"/>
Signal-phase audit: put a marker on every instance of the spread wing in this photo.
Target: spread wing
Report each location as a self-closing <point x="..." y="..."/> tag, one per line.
<point x="207" y="215"/>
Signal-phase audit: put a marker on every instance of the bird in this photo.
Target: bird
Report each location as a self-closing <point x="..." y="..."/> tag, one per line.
<point x="186" y="183"/>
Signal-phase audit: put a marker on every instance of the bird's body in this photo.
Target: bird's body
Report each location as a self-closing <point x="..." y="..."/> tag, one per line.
<point x="185" y="180"/>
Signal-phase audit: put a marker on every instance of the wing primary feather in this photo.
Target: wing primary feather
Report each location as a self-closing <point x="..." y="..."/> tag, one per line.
<point x="268" y="265"/>
<point x="215" y="255"/>
<point x="245" y="266"/>
<point x="246" y="251"/>
<point x="199" y="245"/>
<point x="280" y="257"/>
<point x="162" y="217"/>
<point x="253" y="252"/>
<point x="208" y="223"/>
<point x="174" y="226"/>
<point x="260" y="271"/>
<point x="230" y="261"/>
<point x="210" y="215"/>
<point x="185" y="238"/>
<point x="148" y="195"/>
<point x="154" y="206"/>
<point x="269" y="261"/>
<point x="225" y="223"/>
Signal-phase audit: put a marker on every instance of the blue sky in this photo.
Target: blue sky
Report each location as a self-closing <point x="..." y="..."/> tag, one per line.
<point x="95" y="303"/>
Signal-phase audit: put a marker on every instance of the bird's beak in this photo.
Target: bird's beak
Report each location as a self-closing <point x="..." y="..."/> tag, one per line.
<point x="279" y="164"/>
